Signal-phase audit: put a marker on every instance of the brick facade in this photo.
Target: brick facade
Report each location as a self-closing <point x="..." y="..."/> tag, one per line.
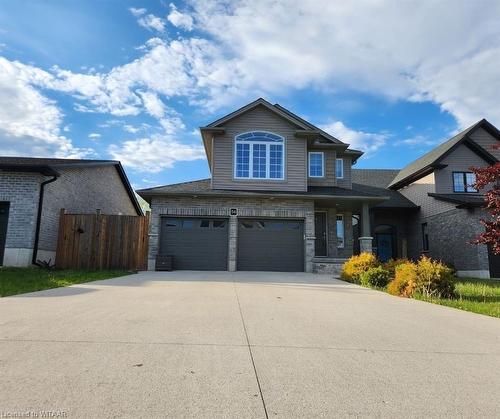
<point x="81" y="190"/>
<point x="21" y="191"/>
<point x="450" y="236"/>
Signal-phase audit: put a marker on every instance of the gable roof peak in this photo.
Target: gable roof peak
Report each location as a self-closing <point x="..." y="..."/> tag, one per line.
<point x="301" y="123"/>
<point x="426" y="163"/>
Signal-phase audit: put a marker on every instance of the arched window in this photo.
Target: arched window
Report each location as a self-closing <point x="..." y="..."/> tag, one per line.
<point x="259" y="155"/>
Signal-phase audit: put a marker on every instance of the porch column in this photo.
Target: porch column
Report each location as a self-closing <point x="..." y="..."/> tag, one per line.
<point x="233" y="238"/>
<point x="365" y="241"/>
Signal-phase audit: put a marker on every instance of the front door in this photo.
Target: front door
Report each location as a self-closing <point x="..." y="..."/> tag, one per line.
<point x="4" y="220"/>
<point x="320" y="232"/>
<point x="384" y="246"/>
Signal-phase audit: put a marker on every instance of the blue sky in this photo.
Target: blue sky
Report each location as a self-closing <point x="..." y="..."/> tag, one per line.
<point x="133" y="80"/>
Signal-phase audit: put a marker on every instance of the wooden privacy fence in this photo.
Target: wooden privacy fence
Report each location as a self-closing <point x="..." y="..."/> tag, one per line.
<point x="98" y="241"/>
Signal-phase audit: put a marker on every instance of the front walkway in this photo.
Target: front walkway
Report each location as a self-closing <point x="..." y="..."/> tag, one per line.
<point x="236" y="345"/>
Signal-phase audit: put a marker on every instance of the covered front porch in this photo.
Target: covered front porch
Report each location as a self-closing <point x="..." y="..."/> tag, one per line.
<point x="346" y="227"/>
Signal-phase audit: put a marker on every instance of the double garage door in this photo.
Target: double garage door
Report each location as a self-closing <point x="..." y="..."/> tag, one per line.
<point x="263" y="244"/>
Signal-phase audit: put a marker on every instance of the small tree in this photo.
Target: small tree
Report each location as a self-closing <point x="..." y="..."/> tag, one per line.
<point x="490" y="176"/>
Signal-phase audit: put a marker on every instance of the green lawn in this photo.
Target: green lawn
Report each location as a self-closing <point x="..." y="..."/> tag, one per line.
<point x="21" y="280"/>
<point x="477" y="295"/>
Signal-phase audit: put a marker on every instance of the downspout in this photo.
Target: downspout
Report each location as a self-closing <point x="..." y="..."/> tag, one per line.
<point x="39" y="218"/>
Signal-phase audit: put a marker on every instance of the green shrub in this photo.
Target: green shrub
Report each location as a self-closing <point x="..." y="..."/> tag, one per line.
<point x="434" y="279"/>
<point x="356" y="265"/>
<point x="404" y="280"/>
<point x="374" y="277"/>
<point x="391" y="265"/>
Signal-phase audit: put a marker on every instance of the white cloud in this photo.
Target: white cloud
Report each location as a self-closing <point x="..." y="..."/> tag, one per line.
<point x="137" y="12"/>
<point x="367" y="142"/>
<point x="401" y="50"/>
<point x="467" y="88"/>
<point x="153" y="104"/>
<point x="417" y="140"/>
<point x="94" y="136"/>
<point x="131" y="129"/>
<point x="244" y="49"/>
<point x="30" y="123"/>
<point x="180" y="20"/>
<point x="154" y="154"/>
<point x="148" y="21"/>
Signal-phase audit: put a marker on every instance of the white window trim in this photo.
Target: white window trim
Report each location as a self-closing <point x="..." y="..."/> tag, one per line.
<point x="322" y="163"/>
<point x="340" y="246"/>
<point x="268" y="158"/>
<point x="341" y="166"/>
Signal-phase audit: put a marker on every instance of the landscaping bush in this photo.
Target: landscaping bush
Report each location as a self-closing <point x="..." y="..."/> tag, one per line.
<point x="391" y="265"/>
<point x="427" y="277"/>
<point x="374" y="277"/>
<point x="356" y="265"/>
<point x="434" y="279"/>
<point x="404" y="280"/>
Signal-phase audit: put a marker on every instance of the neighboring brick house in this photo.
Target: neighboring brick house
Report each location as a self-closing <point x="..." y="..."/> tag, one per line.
<point x="440" y="183"/>
<point x="28" y="231"/>
<point x="283" y="196"/>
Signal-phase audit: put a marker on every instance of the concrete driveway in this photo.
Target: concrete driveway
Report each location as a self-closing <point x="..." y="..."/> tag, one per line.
<point x="237" y="345"/>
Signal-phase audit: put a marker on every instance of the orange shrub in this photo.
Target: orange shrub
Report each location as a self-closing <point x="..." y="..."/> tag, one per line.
<point x="356" y="265"/>
<point x="404" y="280"/>
<point x="434" y="278"/>
<point x="391" y="264"/>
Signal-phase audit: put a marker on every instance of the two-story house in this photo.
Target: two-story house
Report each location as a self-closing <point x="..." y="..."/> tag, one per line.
<point x="283" y="196"/>
<point x="280" y="198"/>
<point x="441" y="184"/>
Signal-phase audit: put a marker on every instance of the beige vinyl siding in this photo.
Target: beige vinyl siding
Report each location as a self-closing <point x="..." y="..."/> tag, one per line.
<point x="346" y="182"/>
<point x="262" y="119"/>
<point x="329" y="170"/>
<point x="486" y="141"/>
<point x="459" y="160"/>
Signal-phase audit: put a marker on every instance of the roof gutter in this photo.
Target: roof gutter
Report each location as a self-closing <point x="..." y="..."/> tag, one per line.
<point x="34" y="260"/>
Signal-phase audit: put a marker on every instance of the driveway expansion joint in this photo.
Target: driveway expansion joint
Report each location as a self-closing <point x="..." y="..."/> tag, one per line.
<point x="250" y="351"/>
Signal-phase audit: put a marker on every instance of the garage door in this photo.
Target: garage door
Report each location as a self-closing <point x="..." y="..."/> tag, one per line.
<point x="270" y="245"/>
<point x="195" y="243"/>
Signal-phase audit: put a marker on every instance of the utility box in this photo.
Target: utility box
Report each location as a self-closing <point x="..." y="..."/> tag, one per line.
<point x="164" y="263"/>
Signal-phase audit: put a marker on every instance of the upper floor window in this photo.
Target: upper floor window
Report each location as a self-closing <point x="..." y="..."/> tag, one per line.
<point x="259" y="155"/>
<point x="464" y="182"/>
<point x="339" y="168"/>
<point x="316" y="164"/>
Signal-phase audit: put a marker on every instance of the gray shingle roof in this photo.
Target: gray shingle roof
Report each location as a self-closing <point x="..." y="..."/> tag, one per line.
<point x="425" y="163"/>
<point x="203" y="187"/>
<point x="396" y="199"/>
<point x="375" y="181"/>
<point x="366" y="183"/>
<point x="42" y="161"/>
<point x="374" y="177"/>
